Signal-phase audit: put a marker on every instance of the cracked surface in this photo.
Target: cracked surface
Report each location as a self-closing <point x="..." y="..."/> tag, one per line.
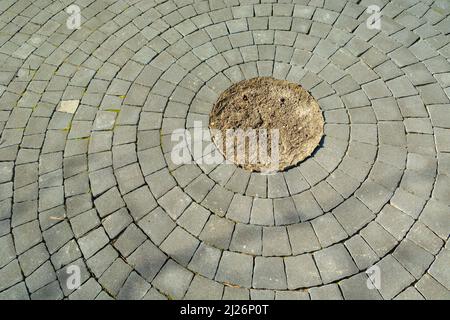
<point x="86" y="176"/>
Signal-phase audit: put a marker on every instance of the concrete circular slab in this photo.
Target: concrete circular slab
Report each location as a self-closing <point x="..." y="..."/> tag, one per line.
<point x="101" y="197"/>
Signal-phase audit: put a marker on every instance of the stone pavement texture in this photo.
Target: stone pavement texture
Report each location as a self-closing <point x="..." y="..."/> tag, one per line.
<point x="86" y="177"/>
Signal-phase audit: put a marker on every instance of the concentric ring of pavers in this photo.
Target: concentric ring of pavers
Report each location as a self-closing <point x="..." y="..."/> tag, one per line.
<point x="97" y="188"/>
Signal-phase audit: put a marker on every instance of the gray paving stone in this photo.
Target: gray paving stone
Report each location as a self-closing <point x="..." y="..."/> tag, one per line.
<point x="123" y="155"/>
<point x="291" y="295"/>
<point x="87" y="291"/>
<point x="438" y="268"/>
<point x="274" y="267"/>
<point x="438" y="115"/>
<point x="10" y="275"/>
<point x="386" y="109"/>
<point x="217" y="232"/>
<point x="24" y="212"/>
<point x="441" y="188"/>
<point x="173" y="280"/>
<point x="328" y="230"/>
<point x="6" y="171"/>
<point x="419" y="74"/>
<point x="334" y="263"/>
<point x="238" y="181"/>
<point x="25" y="174"/>
<point x="391" y="133"/>
<point x="365" y="133"/>
<point x="140" y="202"/>
<point x="233" y="293"/>
<point x="115" y="276"/>
<point x="275" y="241"/>
<point x="386" y="175"/>
<point x="327" y="292"/>
<point x="151" y="160"/>
<point x="50" y="198"/>
<point x="256" y="294"/>
<point x="416" y="183"/>
<point x="240" y="208"/>
<point x="101" y="181"/>
<point x="394" y="278"/>
<point x="129" y="240"/>
<point x="194" y="218"/>
<point x="101" y="160"/>
<point x="84" y="222"/>
<point x="93" y="242"/>
<point x="205" y="260"/>
<point x="302" y="238"/>
<point x="202" y="288"/>
<point x="307" y="206"/>
<point x="52" y="179"/>
<point x="326" y="196"/>
<point x="247" y="239"/>
<point x="180" y="245"/>
<point x="352" y="215"/>
<point x="262" y="212"/>
<point x="395" y="156"/>
<point x="103" y="296"/>
<point x="432" y="94"/>
<point x="5" y="209"/>
<point x="17" y="292"/>
<point x="301" y="272"/>
<point x="100" y="141"/>
<point x="435" y="216"/>
<point x="199" y="188"/>
<point x="425" y="238"/>
<point x="218" y="200"/>
<point x="373" y="195"/>
<point x="26" y="236"/>
<point x="8" y="252"/>
<point x="134" y="288"/>
<point x="160" y="183"/>
<point x="407" y="202"/>
<point x="116" y="222"/>
<point x="33" y="258"/>
<point x="378" y="238"/>
<point x="154" y="294"/>
<point x="129" y="178"/>
<point x="355" y="288"/>
<point x="284" y="211"/>
<point x="412" y="106"/>
<point x="431" y="289"/>
<point x="442" y="140"/>
<point x="410" y="293"/>
<point x="157" y="225"/>
<point x="277" y="186"/>
<point x="414" y="258"/>
<point x="401" y="87"/>
<point x="235" y="268"/>
<point x="147" y="260"/>
<point x="50" y="292"/>
<point x="65" y="255"/>
<point x="5" y="227"/>
<point x="395" y="221"/>
<point x="295" y="181"/>
<point x="57" y="236"/>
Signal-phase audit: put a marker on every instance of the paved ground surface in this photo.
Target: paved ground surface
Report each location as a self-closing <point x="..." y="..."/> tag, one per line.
<point x="93" y="184"/>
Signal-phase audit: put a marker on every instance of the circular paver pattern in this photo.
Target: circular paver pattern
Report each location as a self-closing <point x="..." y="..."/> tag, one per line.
<point x="266" y="124"/>
<point x="92" y="120"/>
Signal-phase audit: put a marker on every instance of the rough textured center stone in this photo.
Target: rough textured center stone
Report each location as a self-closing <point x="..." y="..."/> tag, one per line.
<point x="271" y="104"/>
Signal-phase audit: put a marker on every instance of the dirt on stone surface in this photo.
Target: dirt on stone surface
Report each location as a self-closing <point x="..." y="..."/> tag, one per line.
<point x="268" y="103"/>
